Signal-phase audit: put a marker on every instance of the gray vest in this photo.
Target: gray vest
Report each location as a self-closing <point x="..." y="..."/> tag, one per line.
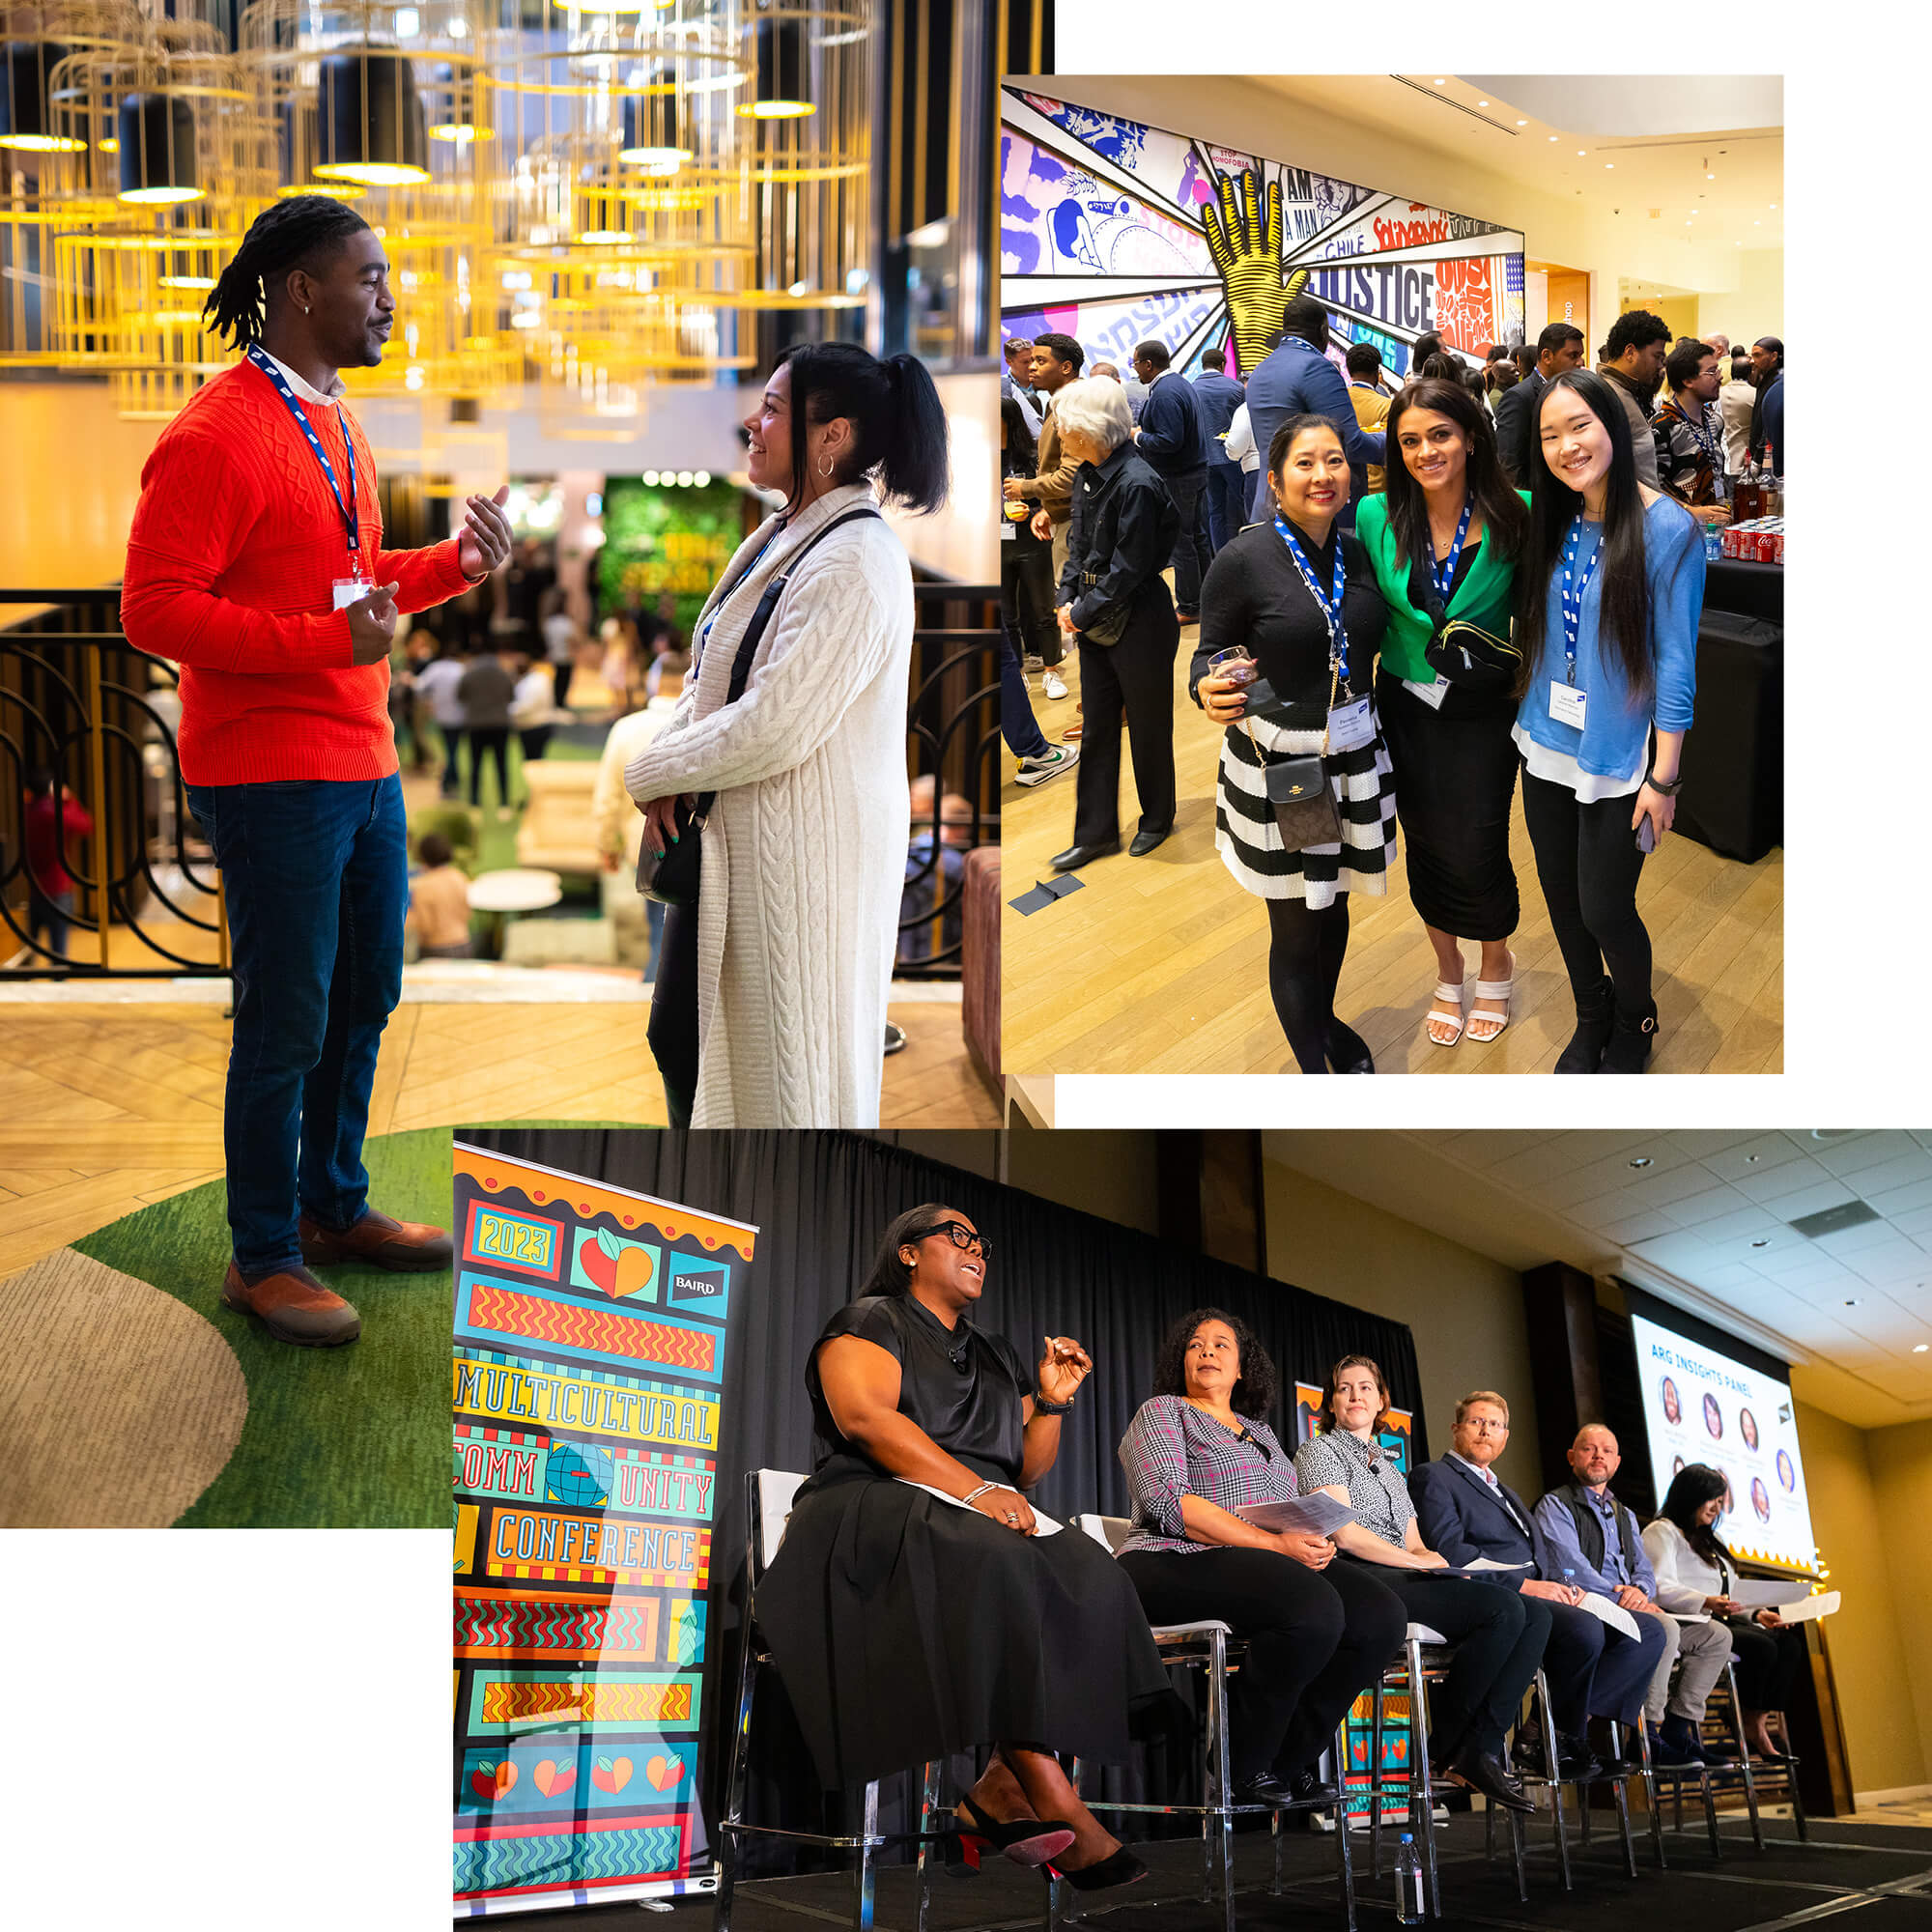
<point x="1590" y="1529"/>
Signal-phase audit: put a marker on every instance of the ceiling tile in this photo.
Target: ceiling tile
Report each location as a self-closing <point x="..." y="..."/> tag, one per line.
<point x="1799" y="1172"/>
<point x="1743" y="1219"/>
<point x="1861" y="1153"/>
<point x="1850" y="1241"/>
<point x="1734" y="1163"/>
<point x="1637" y="1228"/>
<point x="1696" y="1211"/>
<point x="1660" y="1189"/>
<point x="1914" y="1224"/>
<point x="1900" y="1200"/>
<point x="1801" y="1201"/>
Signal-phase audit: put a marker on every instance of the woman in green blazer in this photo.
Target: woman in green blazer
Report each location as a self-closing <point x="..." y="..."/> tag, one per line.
<point x="1445" y="535"/>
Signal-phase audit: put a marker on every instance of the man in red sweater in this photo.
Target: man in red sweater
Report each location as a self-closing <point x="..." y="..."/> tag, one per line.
<point x="255" y="562"/>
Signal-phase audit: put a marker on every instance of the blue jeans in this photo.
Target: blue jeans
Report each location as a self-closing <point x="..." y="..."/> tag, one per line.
<point x="1024" y="737"/>
<point x="316" y="877"/>
<point x="50" y="912"/>
<point x="1227" y="503"/>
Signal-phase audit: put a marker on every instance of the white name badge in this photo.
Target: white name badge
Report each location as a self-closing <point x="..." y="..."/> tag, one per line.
<point x="1566" y="704"/>
<point x="1009" y="534"/>
<point x="1351" y="725"/>
<point x="348" y="590"/>
<point x="1432" y="695"/>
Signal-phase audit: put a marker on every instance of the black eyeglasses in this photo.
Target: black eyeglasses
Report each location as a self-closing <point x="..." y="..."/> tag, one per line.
<point x="960" y="1236"/>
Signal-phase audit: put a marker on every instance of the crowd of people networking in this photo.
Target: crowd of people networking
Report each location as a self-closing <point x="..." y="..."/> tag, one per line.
<point x="1407" y="596"/>
<point x="918" y="1606"/>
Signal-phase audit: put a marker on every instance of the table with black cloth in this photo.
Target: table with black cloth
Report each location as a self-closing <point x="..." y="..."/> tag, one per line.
<point x="1733" y="769"/>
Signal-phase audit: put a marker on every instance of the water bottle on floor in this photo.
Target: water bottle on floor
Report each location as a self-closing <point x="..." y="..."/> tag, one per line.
<point x="1408" y="1906"/>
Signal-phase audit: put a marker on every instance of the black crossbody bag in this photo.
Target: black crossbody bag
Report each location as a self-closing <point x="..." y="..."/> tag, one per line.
<point x="671" y="878"/>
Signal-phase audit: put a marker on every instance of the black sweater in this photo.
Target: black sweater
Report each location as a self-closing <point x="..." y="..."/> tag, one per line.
<point x="1253" y="595"/>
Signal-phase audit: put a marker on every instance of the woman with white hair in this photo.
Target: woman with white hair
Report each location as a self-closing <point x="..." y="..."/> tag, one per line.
<point x="1114" y="603"/>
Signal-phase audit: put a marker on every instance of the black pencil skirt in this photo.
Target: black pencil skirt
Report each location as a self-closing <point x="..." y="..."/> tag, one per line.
<point x="906" y="1629"/>
<point x="1455" y="775"/>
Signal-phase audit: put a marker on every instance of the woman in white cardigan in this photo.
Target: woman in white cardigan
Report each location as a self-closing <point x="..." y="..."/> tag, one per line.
<point x="1686" y="1552"/>
<point x="770" y="1008"/>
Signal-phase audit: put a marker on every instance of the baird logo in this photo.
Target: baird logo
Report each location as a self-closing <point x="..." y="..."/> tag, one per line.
<point x="695" y="1283"/>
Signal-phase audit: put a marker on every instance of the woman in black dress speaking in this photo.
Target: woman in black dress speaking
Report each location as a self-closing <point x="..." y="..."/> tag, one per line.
<point x="916" y="1606"/>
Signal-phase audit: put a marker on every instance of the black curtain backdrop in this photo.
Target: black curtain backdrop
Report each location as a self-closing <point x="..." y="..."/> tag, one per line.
<point x="821" y="1202"/>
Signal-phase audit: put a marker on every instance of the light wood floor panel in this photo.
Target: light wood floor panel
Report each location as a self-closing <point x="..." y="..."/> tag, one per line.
<point x="106" y="1108"/>
<point x="1160" y="965"/>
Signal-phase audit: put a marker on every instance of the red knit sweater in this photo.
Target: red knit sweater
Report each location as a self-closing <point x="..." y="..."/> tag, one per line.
<point x="234" y="546"/>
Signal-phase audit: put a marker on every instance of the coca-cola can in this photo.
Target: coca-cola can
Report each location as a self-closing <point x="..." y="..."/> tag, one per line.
<point x="1767" y="546"/>
<point x="1779" y="542"/>
<point x="1727" y="542"/>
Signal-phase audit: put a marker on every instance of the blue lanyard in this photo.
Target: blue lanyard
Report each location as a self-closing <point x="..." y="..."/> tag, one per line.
<point x="718" y="609"/>
<point x="1573" y="598"/>
<point x="265" y="362"/>
<point x="1445" y="574"/>
<point x="1331" y="605"/>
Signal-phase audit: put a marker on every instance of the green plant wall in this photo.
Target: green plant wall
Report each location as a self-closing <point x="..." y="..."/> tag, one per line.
<point x="659" y="540"/>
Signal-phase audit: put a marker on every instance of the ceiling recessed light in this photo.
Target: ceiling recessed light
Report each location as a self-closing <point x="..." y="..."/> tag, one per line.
<point x="1610" y="164"/>
<point x="1438" y="84"/>
<point x="1552" y="137"/>
<point x="1642" y="1160"/>
<point x="1581" y="151"/>
<point x="1710" y="178"/>
<point x="1753" y="1158"/>
<point x="1920" y="1348"/>
<point x="1773" y="207"/>
<point x="1853" y="1302"/>
<point x="1761" y="1245"/>
<point x="1523" y="123"/>
<point x="1482" y="104"/>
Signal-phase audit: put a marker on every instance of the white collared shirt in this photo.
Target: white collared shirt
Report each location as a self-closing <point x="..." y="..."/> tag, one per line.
<point x="306" y="391"/>
<point x="1495" y="1486"/>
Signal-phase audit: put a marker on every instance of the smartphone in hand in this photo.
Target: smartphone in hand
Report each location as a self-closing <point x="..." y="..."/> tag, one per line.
<point x="1647" y="834"/>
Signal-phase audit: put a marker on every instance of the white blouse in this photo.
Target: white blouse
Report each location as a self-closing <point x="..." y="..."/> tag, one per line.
<point x="1684" y="1578"/>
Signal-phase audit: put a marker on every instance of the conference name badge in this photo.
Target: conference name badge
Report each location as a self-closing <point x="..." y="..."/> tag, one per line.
<point x="1351" y="725"/>
<point x="1432" y="695"/>
<point x="348" y="591"/>
<point x="1566" y="704"/>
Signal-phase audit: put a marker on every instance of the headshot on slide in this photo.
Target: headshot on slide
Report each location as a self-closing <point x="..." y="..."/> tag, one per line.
<point x="1787" y="1475"/>
<point x="1748" y="1427"/>
<point x="1714" y="1417"/>
<point x="1673" y="1406"/>
<point x="1760" y="1500"/>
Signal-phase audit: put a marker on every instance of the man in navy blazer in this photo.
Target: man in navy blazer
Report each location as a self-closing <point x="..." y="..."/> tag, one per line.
<point x="1298" y="379"/>
<point x="1464" y="1512"/>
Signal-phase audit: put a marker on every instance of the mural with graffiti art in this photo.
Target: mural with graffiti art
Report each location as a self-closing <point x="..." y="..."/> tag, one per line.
<point x="1116" y="234"/>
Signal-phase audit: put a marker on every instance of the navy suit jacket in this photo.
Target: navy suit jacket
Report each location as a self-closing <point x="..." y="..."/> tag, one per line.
<point x="1516" y="408"/>
<point x="1172" y="438"/>
<point x="1295" y="379"/>
<point x="1460" y="1517"/>
<point x="1218" y="398"/>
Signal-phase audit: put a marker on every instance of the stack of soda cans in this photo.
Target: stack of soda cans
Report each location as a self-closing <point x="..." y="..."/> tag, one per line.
<point x="1761" y="540"/>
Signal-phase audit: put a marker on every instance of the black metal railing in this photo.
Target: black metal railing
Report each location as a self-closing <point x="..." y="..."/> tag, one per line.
<point x="79" y="701"/>
<point x="952" y="741"/>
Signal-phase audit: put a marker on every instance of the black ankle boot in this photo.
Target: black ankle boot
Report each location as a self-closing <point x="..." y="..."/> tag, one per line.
<point x="1629" y="1050"/>
<point x="1596" y="1019"/>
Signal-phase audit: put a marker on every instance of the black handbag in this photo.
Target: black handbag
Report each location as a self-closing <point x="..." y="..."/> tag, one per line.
<point x="1462" y="652"/>
<point x="671" y="877"/>
<point x="1111" y="625"/>
<point x="1299" y="792"/>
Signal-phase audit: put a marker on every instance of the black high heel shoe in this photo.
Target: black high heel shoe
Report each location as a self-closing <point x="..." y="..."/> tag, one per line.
<point x="1027" y="1841"/>
<point x="1123" y="1869"/>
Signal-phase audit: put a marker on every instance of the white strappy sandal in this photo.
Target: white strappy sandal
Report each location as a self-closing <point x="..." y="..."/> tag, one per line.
<point x="1446" y="998"/>
<point x="1493" y="989"/>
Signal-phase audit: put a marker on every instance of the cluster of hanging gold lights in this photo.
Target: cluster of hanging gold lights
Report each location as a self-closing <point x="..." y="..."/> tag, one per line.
<point x="592" y="204"/>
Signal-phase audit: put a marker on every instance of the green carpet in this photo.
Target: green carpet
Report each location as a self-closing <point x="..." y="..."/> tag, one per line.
<point x="350" y="1438"/>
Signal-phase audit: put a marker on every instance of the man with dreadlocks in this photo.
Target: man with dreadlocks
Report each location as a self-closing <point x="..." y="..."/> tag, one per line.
<point x="255" y="562"/>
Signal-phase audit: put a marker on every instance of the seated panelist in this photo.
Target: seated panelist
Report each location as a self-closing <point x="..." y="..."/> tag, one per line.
<point x="1498" y="1633"/>
<point x="909" y="1625"/>
<point x="1465" y="1511"/>
<point x="1317" y="1632"/>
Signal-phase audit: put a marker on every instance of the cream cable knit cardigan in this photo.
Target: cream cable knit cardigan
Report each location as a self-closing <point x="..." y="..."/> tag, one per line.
<point x="804" y="853"/>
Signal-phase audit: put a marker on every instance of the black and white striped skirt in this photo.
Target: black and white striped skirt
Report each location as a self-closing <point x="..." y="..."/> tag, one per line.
<point x="1249" y="841"/>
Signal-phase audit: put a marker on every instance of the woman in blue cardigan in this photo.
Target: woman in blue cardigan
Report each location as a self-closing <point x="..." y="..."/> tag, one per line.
<point x="1611" y="584"/>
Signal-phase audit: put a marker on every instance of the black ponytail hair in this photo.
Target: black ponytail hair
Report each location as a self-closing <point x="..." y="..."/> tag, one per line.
<point x="290" y="235"/>
<point x="897" y="418"/>
<point x="1691" y="1489"/>
<point x="890" y="1274"/>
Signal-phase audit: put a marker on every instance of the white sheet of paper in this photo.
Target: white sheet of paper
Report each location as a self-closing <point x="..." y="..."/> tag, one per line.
<point x="1607" y="1613"/>
<point x="1432" y="695"/>
<point x="1567" y="704"/>
<point x="1299" y="1516"/>
<point x="1047" y="1525"/>
<point x="1490" y="1563"/>
<point x="1809" y="1609"/>
<point x="1351" y="725"/>
<point x="1787" y="1597"/>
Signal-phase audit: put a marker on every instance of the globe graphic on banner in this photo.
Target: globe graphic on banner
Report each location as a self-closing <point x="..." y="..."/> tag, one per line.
<point x="579" y="1474"/>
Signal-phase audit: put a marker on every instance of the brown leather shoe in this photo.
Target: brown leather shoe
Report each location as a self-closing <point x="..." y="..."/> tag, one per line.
<point x="377" y="1242"/>
<point x="293" y="1307"/>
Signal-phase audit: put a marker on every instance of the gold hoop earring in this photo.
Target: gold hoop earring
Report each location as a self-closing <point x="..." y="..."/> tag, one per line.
<point x="826" y="467"/>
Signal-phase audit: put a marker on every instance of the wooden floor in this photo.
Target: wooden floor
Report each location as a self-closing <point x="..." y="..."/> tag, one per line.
<point x="106" y="1108"/>
<point x="1160" y="965"/>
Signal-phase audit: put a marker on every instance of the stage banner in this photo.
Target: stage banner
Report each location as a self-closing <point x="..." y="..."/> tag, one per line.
<point x="588" y="1353"/>
<point x="1116" y="234"/>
